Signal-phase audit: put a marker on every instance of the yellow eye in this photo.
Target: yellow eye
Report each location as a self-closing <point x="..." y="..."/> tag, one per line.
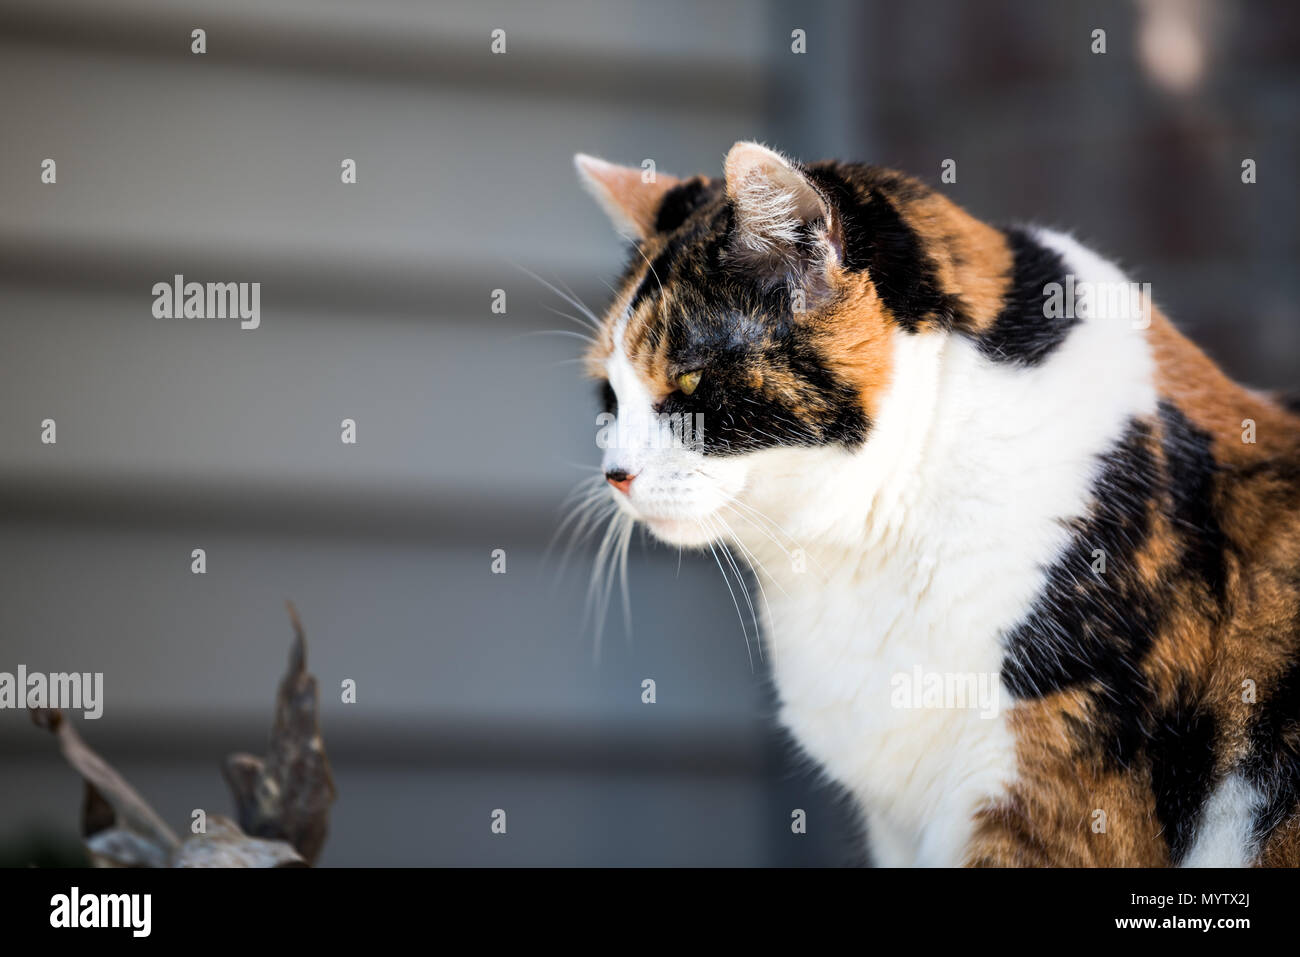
<point x="687" y="381"/>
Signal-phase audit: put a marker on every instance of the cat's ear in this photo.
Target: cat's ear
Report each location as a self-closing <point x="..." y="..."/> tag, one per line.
<point x="785" y="230"/>
<point x="630" y="195"/>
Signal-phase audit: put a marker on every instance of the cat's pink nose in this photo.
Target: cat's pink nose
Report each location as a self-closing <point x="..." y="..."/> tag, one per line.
<point x="620" y="480"/>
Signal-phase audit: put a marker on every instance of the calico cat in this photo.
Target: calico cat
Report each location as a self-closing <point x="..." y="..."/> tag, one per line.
<point x="946" y="455"/>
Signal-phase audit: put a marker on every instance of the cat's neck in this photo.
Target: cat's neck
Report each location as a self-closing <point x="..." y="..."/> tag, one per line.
<point x="968" y="457"/>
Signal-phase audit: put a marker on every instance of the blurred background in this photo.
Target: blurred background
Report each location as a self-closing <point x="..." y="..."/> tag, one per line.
<point x="476" y="690"/>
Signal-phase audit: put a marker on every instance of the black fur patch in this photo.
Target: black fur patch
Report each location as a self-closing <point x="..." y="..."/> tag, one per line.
<point x="651" y="283"/>
<point x="730" y="327"/>
<point x="1094" y="630"/>
<point x="738" y="419"/>
<point x="1290" y="400"/>
<point x="608" y="398"/>
<point x="877" y="239"/>
<point x="681" y="201"/>
<point x="1088" y="626"/>
<point x="1182" y="753"/>
<point x="1273" y="764"/>
<point x="1022" y="332"/>
<point x="696" y="242"/>
<point x="1191" y="472"/>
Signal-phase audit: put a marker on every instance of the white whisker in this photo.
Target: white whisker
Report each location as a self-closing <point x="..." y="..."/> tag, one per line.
<point x="585" y="504"/>
<point x="744" y="589"/>
<point x="572" y="300"/>
<point x="567" y="333"/>
<point x="598" y="591"/>
<point x="744" y="630"/>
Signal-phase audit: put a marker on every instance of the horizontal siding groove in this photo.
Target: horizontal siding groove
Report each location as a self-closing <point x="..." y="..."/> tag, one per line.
<point x="423" y="287"/>
<point x="266" y="508"/>
<point x="411" y="56"/>
<point x="688" y="747"/>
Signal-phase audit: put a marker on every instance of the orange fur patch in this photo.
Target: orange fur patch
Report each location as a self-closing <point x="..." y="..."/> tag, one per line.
<point x="972" y="259"/>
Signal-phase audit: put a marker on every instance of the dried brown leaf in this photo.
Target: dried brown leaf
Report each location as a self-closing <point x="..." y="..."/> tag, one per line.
<point x="287" y="796"/>
<point x="133" y="835"/>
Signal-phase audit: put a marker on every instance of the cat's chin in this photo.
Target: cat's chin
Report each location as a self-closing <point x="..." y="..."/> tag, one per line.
<point x="680" y="532"/>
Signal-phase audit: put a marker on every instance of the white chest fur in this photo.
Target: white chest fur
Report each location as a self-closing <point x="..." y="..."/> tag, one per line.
<point x="855" y="665"/>
<point x="920" y="551"/>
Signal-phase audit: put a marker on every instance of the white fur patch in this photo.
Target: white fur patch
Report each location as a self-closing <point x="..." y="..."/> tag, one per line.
<point x="922" y="549"/>
<point x="1223" y="838"/>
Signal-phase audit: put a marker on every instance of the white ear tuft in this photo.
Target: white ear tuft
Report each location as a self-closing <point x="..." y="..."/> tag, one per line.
<point x="772" y="198"/>
<point x="775" y="204"/>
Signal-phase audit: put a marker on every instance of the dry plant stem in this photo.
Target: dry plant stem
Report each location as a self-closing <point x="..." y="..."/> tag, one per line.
<point x="282" y="802"/>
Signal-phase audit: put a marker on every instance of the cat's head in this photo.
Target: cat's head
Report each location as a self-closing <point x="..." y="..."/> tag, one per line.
<point x="753" y="335"/>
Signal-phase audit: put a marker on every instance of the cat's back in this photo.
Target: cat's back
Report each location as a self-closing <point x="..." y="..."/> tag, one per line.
<point x="1179" y="687"/>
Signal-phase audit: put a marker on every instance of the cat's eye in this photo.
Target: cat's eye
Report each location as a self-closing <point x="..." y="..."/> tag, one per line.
<point x="688" y="381"/>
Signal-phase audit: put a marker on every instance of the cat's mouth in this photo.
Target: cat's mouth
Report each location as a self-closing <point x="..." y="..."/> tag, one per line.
<point x="672" y="526"/>
<point x="684" y="532"/>
<point x="681" y="507"/>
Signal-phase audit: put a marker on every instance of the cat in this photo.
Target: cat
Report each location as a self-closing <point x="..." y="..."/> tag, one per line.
<point x="944" y="455"/>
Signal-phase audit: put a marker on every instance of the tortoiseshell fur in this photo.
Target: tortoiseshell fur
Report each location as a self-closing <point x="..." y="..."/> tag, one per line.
<point x="1138" y="692"/>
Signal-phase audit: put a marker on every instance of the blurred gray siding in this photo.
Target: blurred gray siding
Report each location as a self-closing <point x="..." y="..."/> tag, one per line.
<point x="476" y="691"/>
